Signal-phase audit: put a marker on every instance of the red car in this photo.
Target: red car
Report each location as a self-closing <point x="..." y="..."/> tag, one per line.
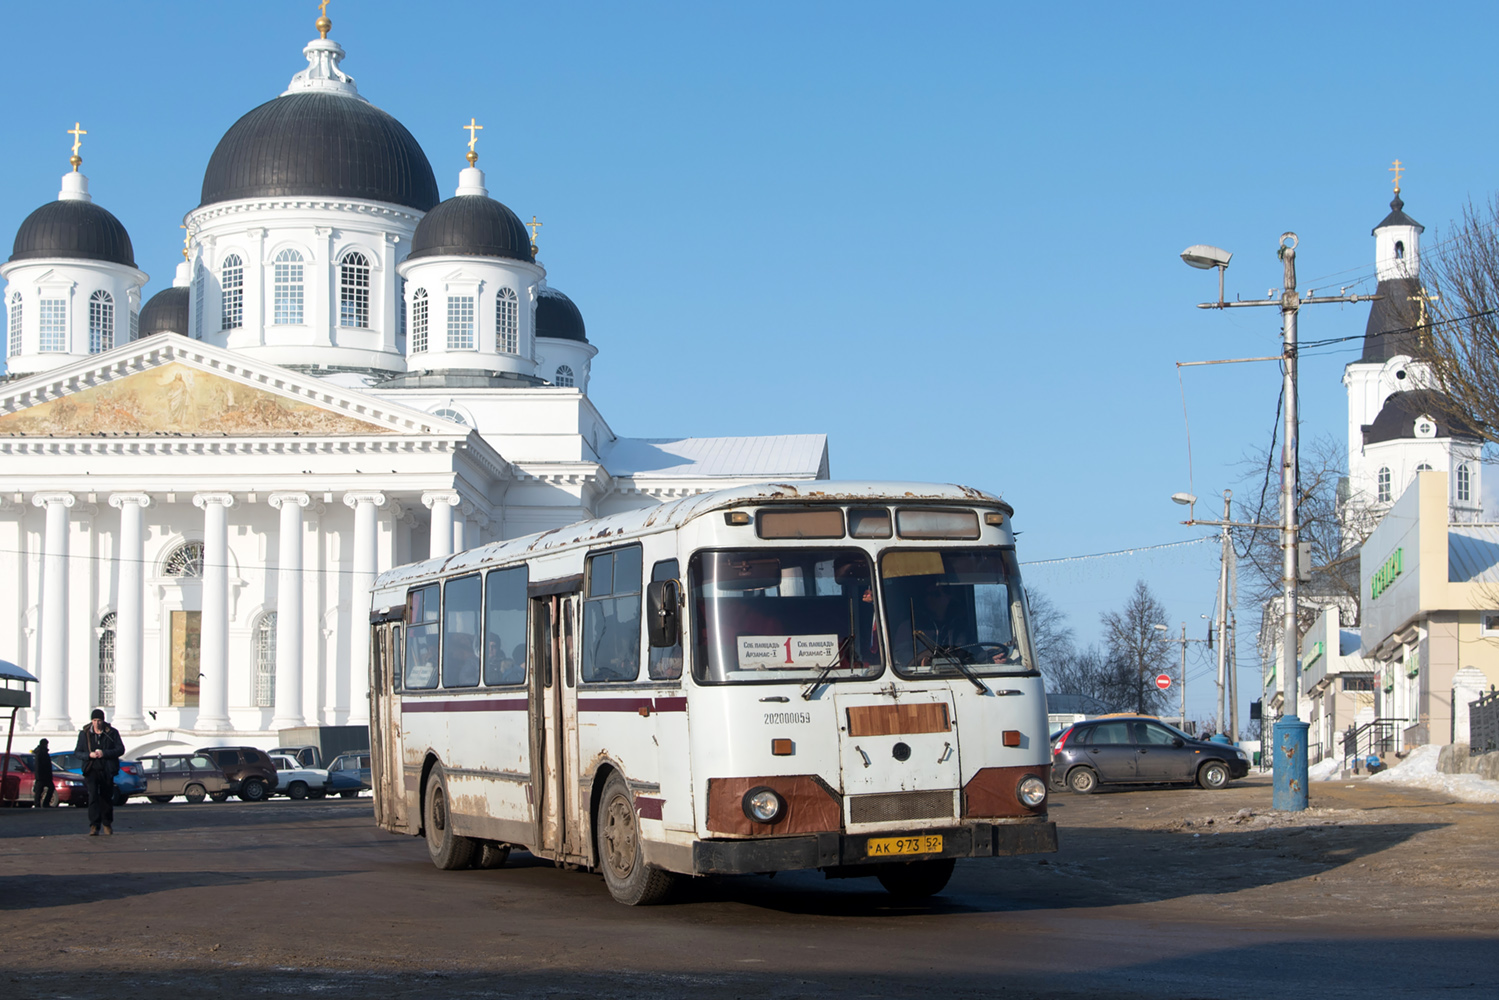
<point x="20" y="777"/>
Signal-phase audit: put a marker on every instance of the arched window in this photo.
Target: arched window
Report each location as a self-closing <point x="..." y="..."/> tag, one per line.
<point x="107" y="661"/>
<point x="418" y="336"/>
<point x="1382" y="486"/>
<point x="15" y="325"/>
<point x="265" y="661"/>
<point x="460" y="322"/>
<point x="53" y="317"/>
<point x="287" y="288"/>
<point x="186" y="560"/>
<point x="507" y="321"/>
<point x="354" y="291"/>
<point x="1464" y="483"/>
<point x="1399" y="250"/>
<point x="564" y="377"/>
<point x="232" y="281"/>
<point x="447" y="413"/>
<point x="1423" y="467"/>
<point x="101" y="322"/>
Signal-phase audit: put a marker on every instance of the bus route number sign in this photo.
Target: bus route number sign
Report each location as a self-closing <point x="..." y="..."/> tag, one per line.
<point x="883" y="847"/>
<point x="783" y="652"/>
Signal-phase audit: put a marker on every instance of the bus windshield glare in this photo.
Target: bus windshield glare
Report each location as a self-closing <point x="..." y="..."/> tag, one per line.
<point x="784" y="615"/>
<point x="947" y="608"/>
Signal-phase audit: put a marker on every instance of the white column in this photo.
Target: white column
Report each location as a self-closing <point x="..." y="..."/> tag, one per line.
<point x="364" y="562"/>
<point x="53" y="696"/>
<point x="444" y="527"/>
<point x="289" y="611"/>
<point x="130" y="613"/>
<point x="213" y="679"/>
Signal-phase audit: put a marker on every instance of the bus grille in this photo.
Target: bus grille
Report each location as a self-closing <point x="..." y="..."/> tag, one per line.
<point x="894" y="806"/>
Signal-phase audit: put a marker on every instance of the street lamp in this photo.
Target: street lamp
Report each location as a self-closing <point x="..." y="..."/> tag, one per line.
<point x="1290" y="740"/>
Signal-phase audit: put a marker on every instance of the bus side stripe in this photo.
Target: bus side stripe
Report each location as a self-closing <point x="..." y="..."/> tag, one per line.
<point x="467" y="705"/>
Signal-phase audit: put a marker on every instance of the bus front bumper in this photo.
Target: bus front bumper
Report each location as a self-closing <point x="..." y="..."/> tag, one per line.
<point x="838" y="850"/>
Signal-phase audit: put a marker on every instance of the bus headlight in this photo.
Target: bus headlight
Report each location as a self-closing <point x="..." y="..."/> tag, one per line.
<point x="763" y="805"/>
<point x="1031" y="791"/>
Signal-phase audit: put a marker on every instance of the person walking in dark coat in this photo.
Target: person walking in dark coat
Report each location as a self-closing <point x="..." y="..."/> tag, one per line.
<point x="100" y="745"/>
<point x="42" y="787"/>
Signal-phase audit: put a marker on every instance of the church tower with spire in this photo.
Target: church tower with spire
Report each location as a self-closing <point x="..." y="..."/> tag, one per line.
<point x="1397" y="426"/>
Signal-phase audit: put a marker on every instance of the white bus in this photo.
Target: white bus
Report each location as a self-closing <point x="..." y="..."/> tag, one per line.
<point x="822" y="675"/>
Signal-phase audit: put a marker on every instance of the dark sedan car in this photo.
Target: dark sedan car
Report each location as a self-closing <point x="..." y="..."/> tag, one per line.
<point x="349" y="774"/>
<point x="1135" y="750"/>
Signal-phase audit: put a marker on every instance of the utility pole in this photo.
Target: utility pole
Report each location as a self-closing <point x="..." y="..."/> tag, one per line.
<point x="1184" y="675"/>
<point x="1290" y="739"/>
<point x="1223" y="615"/>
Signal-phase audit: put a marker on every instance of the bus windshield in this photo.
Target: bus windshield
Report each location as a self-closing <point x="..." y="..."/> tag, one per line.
<point x="948" y="608"/>
<point x="784" y="615"/>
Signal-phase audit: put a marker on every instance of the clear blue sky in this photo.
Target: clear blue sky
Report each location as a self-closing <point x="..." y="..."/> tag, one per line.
<point x="944" y="234"/>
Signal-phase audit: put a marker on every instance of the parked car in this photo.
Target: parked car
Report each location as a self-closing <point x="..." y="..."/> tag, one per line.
<point x="1137" y="750"/>
<point x="129" y="781"/>
<point x="298" y="782"/>
<point x="194" y="776"/>
<point x="20" y="780"/>
<point x="306" y="755"/>
<point x="251" y="774"/>
<point x="350" y="773"/>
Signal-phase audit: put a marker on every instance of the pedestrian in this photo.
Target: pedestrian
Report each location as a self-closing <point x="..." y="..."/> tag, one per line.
<point x="42" y="787"/>
<point x="101" y="747"/>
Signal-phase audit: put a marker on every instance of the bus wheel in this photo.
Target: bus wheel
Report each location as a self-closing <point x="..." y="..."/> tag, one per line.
<point x="448" y="850"/>
<point x="629" y="880"/>
<point x="916" y="879"/>
<point x="491" y="855"/>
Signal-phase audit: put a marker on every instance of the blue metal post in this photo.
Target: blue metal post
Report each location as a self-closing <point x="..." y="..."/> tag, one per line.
<point x="1290" y="742"/>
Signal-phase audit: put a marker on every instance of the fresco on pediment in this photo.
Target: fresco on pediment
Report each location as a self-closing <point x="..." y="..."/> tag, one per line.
<point x="177" y="399"/>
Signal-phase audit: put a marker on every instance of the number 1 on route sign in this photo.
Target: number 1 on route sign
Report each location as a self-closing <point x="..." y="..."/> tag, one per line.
<point x="1163" y="681"/>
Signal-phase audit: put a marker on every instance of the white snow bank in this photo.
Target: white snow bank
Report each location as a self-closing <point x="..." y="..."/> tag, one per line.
<point x="1419" y="770"/>
<point x="1325" y="770"/>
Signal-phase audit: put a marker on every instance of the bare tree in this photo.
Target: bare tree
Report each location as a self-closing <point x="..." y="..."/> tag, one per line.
<point x="1107" y="680"/>
<point x="1457" y="321"/>
<point x="1138" y="649"/>
<point x="1051" y="636"/>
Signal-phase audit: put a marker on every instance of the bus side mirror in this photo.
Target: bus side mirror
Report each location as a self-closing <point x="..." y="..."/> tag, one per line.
<point x="662" y="599"/>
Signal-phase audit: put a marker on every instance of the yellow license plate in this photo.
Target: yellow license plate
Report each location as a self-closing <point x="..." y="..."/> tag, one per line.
<point x="883" y="847"/>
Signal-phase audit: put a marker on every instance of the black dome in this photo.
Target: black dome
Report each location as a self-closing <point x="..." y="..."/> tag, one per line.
<point x="557" y="317"/>
<point x="320" y="145"/>
<point x="1397" y="418"/>
<point x="471" y="226"/>
<point x="1394" y="321"/>
<point x="165" y="312"/>
<point x="78" y="229"/>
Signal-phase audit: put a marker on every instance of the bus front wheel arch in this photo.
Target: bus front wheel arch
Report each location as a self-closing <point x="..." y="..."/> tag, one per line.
<point x="621" y="856"/>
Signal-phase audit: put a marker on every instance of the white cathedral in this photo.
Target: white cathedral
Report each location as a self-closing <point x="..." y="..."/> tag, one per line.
<point x="348" y="373"/>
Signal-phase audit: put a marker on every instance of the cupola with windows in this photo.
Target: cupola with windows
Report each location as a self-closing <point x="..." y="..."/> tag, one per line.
<point x="308" y="204"/>
<point x="471" y="282"/>
<point x="71" y="285"/>
<point x="564" y="356"/>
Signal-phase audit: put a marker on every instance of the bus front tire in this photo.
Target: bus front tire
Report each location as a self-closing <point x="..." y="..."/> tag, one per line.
<point x="617" y="829"/>
<point x="447" y="850"/>
<point x="916" y="879"/>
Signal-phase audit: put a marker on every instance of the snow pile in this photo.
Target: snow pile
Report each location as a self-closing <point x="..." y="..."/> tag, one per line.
<point x="1419" y="770"/>
<point x="1325" y="770"/>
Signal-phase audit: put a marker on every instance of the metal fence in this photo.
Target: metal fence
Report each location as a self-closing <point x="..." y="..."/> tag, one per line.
<point x="1483" y="723"/>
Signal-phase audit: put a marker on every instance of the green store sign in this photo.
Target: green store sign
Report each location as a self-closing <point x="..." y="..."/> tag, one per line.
<point x="1386" y="574"/>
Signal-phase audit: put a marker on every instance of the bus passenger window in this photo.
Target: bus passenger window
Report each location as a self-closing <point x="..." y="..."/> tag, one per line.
<point x="666" y="662"/>
<point x="460" y="633"/>
<point x="505" y="626"/>
<point x="611" y="617"/>
<point x="422" y="638"/>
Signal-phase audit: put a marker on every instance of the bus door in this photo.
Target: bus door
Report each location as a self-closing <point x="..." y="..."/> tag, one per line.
<point x="387" y="764"/>
<point x="554" y="719"/>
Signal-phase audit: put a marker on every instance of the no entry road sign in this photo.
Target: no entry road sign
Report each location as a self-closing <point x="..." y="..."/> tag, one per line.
<point x="1163" y="681"/>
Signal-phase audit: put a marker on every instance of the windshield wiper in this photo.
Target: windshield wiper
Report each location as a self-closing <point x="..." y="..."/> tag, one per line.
<point x="822" y="678"/>
<point x="948" y="655"/>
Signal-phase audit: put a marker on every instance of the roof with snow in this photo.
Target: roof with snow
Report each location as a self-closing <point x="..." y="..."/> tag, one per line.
<point x="770" y="457"/>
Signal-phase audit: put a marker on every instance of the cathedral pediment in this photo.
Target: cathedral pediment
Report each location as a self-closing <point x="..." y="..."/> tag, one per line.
<point x="180" y="388"/>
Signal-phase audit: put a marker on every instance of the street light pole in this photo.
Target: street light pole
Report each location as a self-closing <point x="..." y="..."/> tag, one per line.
<point x="1223" y="618"/>
<point x="1184" y="675"/>
<point x="1290" y="739"/>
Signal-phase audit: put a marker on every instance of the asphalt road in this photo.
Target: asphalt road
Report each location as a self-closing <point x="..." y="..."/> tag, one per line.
<point x="1375" y="893"/>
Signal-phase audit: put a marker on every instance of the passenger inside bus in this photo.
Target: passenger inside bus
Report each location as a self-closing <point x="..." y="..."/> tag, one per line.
<point x="503" y="668"/>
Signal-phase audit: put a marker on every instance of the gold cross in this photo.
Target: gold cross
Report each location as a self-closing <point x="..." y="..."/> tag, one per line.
<point x="187" y="241"/>
<point x="77" y="132"/>
<point x="473" y="129"/>
<point x="533" y="225"/>
<point x="1424" y="298"/>
<point x="322" y="8"/>
<point x="1397" y="170"/>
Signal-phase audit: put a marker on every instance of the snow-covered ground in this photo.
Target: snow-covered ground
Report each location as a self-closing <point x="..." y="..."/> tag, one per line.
<point x="1326" y="770"/>
<point x="1419" y="770"/>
